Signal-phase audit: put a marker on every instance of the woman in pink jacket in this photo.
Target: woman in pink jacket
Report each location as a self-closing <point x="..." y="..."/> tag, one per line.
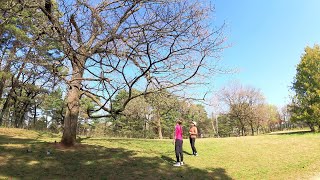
<point x="178" y="141"/>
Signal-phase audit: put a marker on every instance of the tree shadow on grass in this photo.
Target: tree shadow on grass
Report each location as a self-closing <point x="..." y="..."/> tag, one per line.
<point x="89" y="162"/>
<point x="301" y="132"/>
<point x="80" y="139"/>
<point x="220" y="173"/>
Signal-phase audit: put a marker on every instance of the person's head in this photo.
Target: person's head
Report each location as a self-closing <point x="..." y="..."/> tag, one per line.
<point x="179" y="121"/>
<point x="193" y="123"/>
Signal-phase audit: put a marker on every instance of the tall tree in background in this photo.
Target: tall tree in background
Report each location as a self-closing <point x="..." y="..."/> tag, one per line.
<point x="121" y="45"/>
<point x="164" y="107"/>
<point x="305" y="105"/>
<point x="242" y="103"/>
<point x="53" y="105"/>
<point x="197" y="112"/>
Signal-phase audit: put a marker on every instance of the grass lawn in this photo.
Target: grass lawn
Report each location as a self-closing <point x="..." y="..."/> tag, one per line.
<point x="277" y="156"/>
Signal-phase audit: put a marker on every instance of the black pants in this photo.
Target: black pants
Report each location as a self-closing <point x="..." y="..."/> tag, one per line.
<point x="178" y="149"/>
<point x="192" y="143"/>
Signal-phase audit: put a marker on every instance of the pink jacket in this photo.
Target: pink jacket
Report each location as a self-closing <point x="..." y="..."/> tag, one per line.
<point x="178" y="132"/>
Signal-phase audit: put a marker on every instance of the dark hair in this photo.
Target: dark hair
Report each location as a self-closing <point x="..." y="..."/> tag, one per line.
<point x="179" y="121"/>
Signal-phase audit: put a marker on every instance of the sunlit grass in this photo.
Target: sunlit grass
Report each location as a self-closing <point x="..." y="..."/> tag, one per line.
<point x="285" y="156"/>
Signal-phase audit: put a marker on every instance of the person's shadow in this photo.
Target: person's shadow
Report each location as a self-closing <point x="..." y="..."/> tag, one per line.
<point x="216" y="173"/>
<point x="167" y="159"/>
<point x="185" y="152"/>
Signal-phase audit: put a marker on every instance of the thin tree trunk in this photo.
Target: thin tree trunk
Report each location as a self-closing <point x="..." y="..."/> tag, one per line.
<point x="6" y="71"/>
<point x="3" y="78"/>
<point x="35" y="116"/>
<point x="311" y="125"/>
<point x="16" y="113"/>
<point x="212" y="122"/>
<point x="242" y="131"/>
<point x="252" y="131"/>
<point x="15" y="82"/>
<point x="19" y="111"/>
<point x="159" y="125"/>
<point x="22" y="115"/>
<point x="258" y="130"/>
<point x="4" y="109"/>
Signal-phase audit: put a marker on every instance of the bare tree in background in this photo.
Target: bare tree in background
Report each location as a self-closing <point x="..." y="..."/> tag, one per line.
<point x="243" y="104"/>
<point x="113" y="45"/>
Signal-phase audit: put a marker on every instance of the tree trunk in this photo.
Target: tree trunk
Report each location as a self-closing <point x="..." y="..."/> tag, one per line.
<point x="311" y="125"/>
<point x="71" y="118"/>
<point x="252" y="130"/>
<point x="3" y="79"/>
<point x="15" y="83"/>
<point x="159" y="125"/>
<point x="16" y="113"/>
<point x="4" y="109"/>
<point x="73" y="105"/>
<point x="212" y="123"/>
<point x="35" y="116"/>
<point x="22" y="116"/>
<point x="6" y="71"/>
<point x="20" y="108"/>
<point x="258" y="130"/>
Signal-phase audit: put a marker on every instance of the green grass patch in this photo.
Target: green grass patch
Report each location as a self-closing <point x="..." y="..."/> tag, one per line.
<point x="277" y="156"/>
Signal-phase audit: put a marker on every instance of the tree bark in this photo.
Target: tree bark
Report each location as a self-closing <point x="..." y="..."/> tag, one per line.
<point x="73" y="105"/>
<point x="243" y="131"/>
<point x="3" y="79"/>
<point x="6" y="70"/>
<point x="159" y="125"/>
<point x="35" y="116"/>
<point x="311" y="125"/>
<point x="252" y="130"/>
<point x="71" y="118"/>
<point x="212" y="123"/>
<point x="15" y="83"/>
<point x="4" y="109"/>
<point x="22" y="115"/>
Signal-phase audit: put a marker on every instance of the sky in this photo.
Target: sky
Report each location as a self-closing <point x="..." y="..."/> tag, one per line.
<point x="267" y="39"/>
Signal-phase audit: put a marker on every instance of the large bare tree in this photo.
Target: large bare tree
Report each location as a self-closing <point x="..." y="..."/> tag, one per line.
<point x="243" y="105"/>
<point x="114" y="45"/>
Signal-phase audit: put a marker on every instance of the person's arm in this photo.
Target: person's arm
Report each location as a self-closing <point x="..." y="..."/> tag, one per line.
<point x="193" y="131"/>
<point x="174" y="135"/>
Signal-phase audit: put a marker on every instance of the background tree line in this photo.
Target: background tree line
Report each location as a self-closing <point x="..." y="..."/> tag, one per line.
<point x="242" y="110"/>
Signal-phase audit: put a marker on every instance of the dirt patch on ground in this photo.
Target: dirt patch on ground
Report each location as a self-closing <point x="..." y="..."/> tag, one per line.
<point x="3" y="160"/>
